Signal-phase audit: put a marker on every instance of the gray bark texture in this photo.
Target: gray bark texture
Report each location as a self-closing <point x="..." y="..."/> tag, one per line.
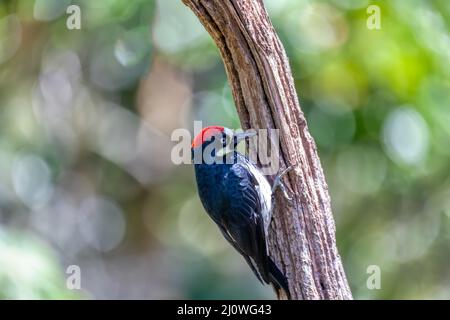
<point x="302" y="239"/>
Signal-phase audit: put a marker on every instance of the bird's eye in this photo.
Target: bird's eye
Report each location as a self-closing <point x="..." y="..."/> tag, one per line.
<point x="223" y="140"/>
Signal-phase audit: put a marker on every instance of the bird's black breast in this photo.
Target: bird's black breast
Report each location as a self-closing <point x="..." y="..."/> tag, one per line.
<point x="210" y="189"/>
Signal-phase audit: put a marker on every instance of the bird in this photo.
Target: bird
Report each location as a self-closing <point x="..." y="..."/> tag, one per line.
<point x="238" y="198"/>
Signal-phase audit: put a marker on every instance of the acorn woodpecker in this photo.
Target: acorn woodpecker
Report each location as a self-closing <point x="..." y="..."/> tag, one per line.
<point x="238" y="198"/>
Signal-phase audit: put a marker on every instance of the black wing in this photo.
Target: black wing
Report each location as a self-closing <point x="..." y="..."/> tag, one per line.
<point x="242" y="223"/>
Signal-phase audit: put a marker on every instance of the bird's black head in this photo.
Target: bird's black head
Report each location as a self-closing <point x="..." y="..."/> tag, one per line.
<point x="215" y="142"/>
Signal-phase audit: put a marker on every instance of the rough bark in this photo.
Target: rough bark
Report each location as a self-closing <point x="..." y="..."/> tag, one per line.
<point x="302" y="240"/>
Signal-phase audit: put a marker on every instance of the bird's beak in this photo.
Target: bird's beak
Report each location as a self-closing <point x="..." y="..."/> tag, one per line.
<point x="244" y="135"/>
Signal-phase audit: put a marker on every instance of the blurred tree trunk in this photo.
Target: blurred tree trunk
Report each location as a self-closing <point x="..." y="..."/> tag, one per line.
<point x="302" y="240"/>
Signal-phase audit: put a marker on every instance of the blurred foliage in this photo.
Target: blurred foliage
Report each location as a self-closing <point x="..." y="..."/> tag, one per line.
<point x="86" y="118"/>
<point x="29" y="270"/>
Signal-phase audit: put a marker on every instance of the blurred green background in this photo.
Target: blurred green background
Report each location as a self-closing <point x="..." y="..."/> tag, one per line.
<point x="85" y="123"/>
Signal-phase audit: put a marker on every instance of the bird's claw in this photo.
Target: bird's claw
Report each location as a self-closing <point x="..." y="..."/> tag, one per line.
<point x="285" y="194"/>
<point x="278" y="183"/>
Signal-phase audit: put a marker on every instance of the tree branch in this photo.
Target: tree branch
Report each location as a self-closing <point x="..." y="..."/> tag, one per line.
<point x="302" y="240"/>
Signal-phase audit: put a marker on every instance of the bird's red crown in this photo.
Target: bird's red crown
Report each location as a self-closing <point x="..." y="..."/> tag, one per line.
<point x="206" y="135"/>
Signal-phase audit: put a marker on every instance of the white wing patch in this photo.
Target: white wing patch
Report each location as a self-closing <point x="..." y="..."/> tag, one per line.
<point x="265" y="195"/>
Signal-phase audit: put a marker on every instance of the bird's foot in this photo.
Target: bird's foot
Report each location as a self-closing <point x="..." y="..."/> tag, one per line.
<point x="278" y="183"/>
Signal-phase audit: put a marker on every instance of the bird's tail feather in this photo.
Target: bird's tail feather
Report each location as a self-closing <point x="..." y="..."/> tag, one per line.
<point x="278" y="278"/>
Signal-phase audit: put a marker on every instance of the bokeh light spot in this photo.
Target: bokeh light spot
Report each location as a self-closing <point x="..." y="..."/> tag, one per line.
<point x="406" y="136"/>
<point x="102" y="223"/>
<point x="32" y="180"/>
